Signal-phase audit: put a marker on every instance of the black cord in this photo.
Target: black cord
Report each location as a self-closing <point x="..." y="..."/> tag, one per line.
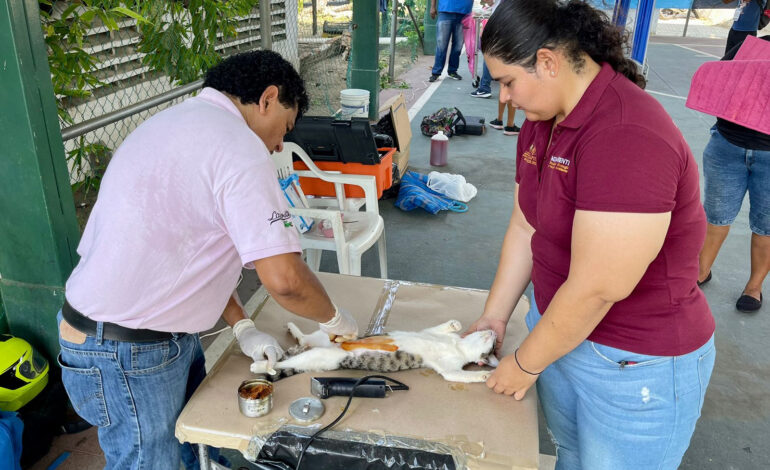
<point x="362" y="380"/>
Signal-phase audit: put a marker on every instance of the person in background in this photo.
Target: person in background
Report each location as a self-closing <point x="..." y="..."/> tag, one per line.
<point x="485" y="91"/>
<point x="189" y="199"/>
<point x="736" y="160"/>
<point x="745" y="22"/>
<point x="607" y="224"/>
<point x="449" y="15"/>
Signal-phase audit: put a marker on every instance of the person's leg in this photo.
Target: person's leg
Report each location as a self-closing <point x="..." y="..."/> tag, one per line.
<point x="457" y="42"/>
<point x="633" y="410"/>
<point x="485" y="84"/>
<point x="558" y="400"/>
<point x="715" y="236"/>
<point x="133" y="392"/>
<point x="726" y="179"/>
<point x="444" y="25"/>
<point x="197" y="374"/>
<point x="760" y="265"/>
<point x="759" y="220"/>
<point x="735" y="37"/>
<point x="511" y="114"/>
<point x="498" y="123"/>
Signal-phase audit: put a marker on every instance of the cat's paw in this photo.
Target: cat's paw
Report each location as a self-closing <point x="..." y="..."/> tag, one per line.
<point x="486" y="375"/>
<point x="454" y="326"/>
<point x="295" y="332"/>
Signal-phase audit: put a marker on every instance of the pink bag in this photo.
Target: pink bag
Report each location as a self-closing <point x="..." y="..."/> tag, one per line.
<point x="736" y="90"/>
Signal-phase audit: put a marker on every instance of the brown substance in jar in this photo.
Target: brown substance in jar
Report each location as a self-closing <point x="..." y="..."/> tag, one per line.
<point x="255" y="391"/>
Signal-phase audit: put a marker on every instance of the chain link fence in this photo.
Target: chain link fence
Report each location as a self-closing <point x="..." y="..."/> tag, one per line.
<point x="314" y="35"/>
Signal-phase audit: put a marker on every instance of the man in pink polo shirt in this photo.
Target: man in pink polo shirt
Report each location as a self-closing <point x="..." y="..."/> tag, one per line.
<point x="189" y="198"/>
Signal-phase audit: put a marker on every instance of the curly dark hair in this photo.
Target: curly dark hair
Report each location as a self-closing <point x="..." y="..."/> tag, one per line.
<point x="518" y="28"/>
<point x="247" y="75"/>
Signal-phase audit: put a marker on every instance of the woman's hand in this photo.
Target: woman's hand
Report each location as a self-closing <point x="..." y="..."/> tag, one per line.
<point x="509" y="379"/>
<point x="489" y="323"/>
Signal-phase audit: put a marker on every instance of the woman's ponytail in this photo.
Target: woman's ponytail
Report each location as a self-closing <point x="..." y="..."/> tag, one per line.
<point x="518" y="28"/>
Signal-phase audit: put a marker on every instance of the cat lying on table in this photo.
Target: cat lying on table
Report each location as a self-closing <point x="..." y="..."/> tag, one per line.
<point x="440" y="348"/>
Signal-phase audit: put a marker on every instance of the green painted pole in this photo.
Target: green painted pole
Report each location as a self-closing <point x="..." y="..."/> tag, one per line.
<point x="364" y="54"/>
<point x="429" y="43"/>
<point x="38" y="228"/>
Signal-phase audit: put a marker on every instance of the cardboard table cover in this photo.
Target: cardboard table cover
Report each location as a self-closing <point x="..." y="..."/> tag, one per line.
<point x="493" y="431"/>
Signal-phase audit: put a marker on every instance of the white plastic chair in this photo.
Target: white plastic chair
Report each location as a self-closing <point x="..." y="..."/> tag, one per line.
<point x="354" y="231"/>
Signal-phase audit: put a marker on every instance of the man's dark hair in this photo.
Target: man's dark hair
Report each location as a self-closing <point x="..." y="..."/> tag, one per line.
<point x="247" y="75"/>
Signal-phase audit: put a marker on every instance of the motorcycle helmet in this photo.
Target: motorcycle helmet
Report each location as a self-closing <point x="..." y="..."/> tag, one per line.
<point x="23" y="373"/>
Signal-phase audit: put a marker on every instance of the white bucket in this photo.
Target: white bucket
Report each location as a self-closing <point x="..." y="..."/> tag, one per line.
<point x="355" y="103"/>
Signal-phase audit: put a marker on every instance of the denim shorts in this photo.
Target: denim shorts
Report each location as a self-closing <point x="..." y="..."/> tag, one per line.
<point x="729" y="172"/>
<point x="610" y="409"/>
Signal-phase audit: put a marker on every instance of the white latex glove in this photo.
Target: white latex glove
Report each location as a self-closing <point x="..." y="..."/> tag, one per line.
<point x="256" y="344"/>
<point x="342" y="324"/>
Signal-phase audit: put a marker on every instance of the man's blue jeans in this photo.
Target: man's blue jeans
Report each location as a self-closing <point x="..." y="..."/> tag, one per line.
<point x="604" y="416"/>
<point x="448" y="26"/>
<point x="134" y="393"/>
<point x="485" y="84"/>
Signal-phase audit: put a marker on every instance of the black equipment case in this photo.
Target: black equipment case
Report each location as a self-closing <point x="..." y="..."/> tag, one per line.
<point x="332" y="140"/>
<point x="469" y="125"/>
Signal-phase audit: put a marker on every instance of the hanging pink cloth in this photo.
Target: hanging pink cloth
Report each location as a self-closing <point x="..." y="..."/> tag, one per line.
<point x="469" y="39"/>
<point x="735" y="90"/>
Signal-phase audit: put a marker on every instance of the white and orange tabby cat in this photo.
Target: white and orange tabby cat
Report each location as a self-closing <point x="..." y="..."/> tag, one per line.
<point x="440" y="348"/>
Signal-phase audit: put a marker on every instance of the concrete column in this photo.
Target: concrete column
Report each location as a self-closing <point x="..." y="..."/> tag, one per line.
<point x="38" y="228"/>
<point x="364" y="54"/>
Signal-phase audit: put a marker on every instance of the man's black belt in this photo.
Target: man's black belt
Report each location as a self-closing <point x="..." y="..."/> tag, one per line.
<point x="110" y="330"/>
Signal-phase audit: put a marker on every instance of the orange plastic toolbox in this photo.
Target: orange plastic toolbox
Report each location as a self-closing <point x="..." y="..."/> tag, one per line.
<point x="382" y="172"/>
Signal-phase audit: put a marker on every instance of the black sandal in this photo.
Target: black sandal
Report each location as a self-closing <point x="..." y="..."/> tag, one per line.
<point x="748" y="304"/>
<point x="708" y="278"/>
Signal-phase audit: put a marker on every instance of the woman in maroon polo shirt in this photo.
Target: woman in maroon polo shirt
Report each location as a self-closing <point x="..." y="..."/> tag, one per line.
<point x="607" y="224"/>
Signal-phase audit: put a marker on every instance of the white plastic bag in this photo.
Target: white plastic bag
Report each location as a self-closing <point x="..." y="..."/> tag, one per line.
<point x="451" y="186"/>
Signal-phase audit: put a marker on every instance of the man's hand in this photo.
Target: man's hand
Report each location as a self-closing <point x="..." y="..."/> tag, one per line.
<point x="433" y="12"/>
<point x="342" y="324"/>
<point x="489" y="323"/>
<point x="509" y="379"/>
<point x="256" y="344"/>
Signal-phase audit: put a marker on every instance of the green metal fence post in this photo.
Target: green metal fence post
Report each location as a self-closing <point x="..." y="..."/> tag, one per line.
<point x="364" y="53"/>
<point x="38" y="228"/>
<point x="429" y="43"/>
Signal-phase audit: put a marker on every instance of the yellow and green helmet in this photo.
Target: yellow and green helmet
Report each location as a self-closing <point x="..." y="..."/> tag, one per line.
<point x="23" y="373"/>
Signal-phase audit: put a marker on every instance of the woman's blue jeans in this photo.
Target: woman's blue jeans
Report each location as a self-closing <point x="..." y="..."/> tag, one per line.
<point x="606" y="416"/>
<point x="448" y="26"/>
<point x="134" y="393"/>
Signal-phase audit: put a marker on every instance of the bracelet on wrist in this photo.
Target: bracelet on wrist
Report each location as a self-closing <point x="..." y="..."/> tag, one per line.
<point x="516" y="358"/>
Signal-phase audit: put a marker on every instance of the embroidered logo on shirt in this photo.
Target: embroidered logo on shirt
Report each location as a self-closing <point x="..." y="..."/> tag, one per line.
<point x="530" y="156"/>
<point x="284" y="217"/>
<point x="559" y="164"/>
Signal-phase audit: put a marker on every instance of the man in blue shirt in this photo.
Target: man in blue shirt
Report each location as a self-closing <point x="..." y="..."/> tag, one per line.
<point x="449" y="25"/>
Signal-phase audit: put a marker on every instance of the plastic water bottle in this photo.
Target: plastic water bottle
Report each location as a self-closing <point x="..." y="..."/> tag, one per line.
<point x="439" y="149"/>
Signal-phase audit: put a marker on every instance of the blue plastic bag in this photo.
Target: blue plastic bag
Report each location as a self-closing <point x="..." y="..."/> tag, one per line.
<point x="415" y="193"/>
